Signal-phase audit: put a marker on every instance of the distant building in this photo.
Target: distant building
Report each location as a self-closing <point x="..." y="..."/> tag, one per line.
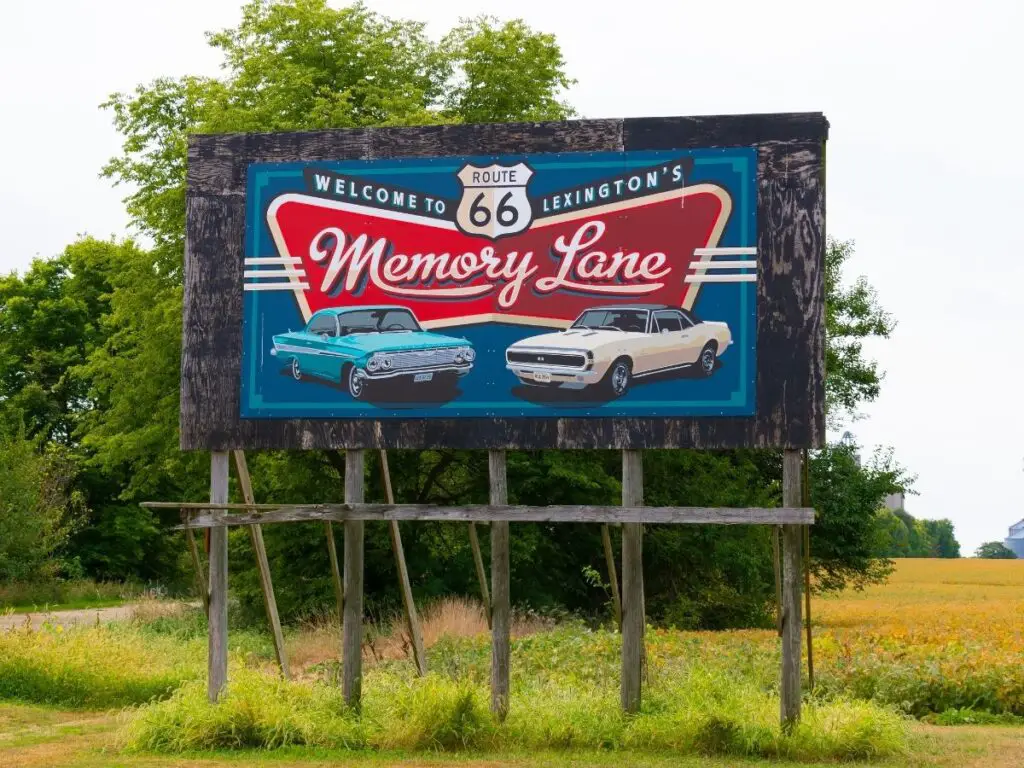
<point x="1015" y="541"/>
<point x="894" y="501"/>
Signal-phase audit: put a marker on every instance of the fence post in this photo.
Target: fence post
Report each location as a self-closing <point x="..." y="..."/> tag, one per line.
<point x="613" y="579"/>
<point x="632" y="583"/>
<point x="352" y="623"/>
<point x="217" y="655"/>
<point x="791" y="576"/>
<point x="481" y="575"/>
<point x="500" y="589"/>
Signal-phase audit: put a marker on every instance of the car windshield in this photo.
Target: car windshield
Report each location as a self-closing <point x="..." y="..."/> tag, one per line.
<point x="632" y="320"/>
<point x="378" y="321"/>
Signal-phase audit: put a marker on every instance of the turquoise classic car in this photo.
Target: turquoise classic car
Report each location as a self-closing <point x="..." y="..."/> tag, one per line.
<point x="359" y="347"/>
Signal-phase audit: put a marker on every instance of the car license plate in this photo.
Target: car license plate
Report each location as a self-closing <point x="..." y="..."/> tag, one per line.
<point x="422" y="377"/>
<point x="538" y="376"/>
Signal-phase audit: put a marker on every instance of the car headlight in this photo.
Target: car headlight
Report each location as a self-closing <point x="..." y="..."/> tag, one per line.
<point x="373" y="363"/>
<point x="386" y="363"/>
<point x="469" y="354"/>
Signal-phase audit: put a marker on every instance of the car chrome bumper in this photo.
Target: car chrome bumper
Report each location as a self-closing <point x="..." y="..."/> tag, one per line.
<point x="461" y="370"/>
<point x="558" y="374"/>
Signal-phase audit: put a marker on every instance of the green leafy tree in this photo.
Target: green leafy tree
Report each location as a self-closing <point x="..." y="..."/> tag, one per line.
<point x="994" y="550"/>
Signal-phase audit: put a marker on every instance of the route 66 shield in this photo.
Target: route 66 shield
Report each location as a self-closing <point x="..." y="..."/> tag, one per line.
<point x="494" y="201"/>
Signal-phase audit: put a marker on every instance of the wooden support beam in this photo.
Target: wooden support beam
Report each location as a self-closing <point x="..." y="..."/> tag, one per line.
<point x="777" y="569"/>
<point x="294" y="513"/>
<point x="791" y="575"/>
<point x="217" y="653"/>
<point x="501" y="618"/>
<point x="263" y="566"/>
<point x="202" y="585"/>
<point x="332" y="554"/>
<point x="352" y="625"/>
<point x="632" y="584"/>
<point x="806" y="500"/>
<point x="613" y="579"/>
<point x="412" y="619"/>
<point x="481" y="574"/>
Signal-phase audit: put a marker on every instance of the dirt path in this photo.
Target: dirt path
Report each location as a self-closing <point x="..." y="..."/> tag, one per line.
<point x="66" y="618"/>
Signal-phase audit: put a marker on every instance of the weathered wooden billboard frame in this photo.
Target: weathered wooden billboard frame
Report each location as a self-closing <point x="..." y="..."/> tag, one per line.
<point x="789" y="384"/>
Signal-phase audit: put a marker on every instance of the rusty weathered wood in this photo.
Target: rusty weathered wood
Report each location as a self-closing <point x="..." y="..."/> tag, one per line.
<point x="332" y="555"/>
<point x="290" y="513"/>
<point x="263" y="567"/>
<point x="613" y="579"/>
<point x="790" y="692"/>
<point x="501" y="608"/>
<point x="789" y="388"/>
<point x="217" y="654"/>
<point x="412" y="619"/>
<point x="202" y="585"/>
<point x="632" y="584"/>
<point x="352" y="624"/>
<point x="481" y="574"/>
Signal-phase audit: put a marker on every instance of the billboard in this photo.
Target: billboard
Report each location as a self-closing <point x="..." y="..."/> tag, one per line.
<point x="615" y="283"/>
<point x="586" y="284"/>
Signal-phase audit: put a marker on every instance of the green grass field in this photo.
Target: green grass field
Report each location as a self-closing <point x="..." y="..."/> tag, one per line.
<point x="896" y="666"/>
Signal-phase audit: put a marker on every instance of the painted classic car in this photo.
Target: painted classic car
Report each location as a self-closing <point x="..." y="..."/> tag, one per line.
<point x="611" y="346"/>
<point x="360" y="346"/>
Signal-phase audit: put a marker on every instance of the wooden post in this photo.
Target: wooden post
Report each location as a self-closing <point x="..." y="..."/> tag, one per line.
<point x="806" y="500"/>
<point x="500" y="586"/>
<point x="262" y="565"/>
<point x="791" y="574"/>
<point x="777" y="568"/>
<point x="332" y="553"/>
<point x="217" y="655"/>
<point x="202" y="585"/>
<point x="609" y="559"/>
<point x="481" y="574"/>
<point x="352" y="624"/>
<point x="632" y="583"/>
<point x="411" y="617"/>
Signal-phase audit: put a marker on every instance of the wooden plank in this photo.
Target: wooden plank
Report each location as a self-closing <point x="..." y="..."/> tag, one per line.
<point x="202" y="585"/>
<point x="501" y="610"/>
<point x="777" y="569"/>
<point x="217" y="634"/>
<point x="481" y="574"/>
<point x="412" y="620"/>
<point x="613" y="578"/>
<point x="632" y="584"/>
<point x="790" y="692"/>
<point x="352" y="625"/>
<point x="263" y="567"/>
<point x="332" y="554"/>
<point x="805" y="498"/>
<point x="789" y="387"/>
<point x="290" y="513"/>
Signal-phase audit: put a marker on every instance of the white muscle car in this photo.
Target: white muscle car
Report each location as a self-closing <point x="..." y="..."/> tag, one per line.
<point x="611" y="346"/>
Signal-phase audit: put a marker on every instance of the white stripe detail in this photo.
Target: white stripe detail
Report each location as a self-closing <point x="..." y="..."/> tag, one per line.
<point x="256" y="261"/>
<point x="273" y="273"/>
<point x="721" y="278"/>
<point x="723" y="265"/>
<point x="276" y="286"/>
<point x="725" y="252"/>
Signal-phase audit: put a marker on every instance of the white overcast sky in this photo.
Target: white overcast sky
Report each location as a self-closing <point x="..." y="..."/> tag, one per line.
<point x="925" y="169"/>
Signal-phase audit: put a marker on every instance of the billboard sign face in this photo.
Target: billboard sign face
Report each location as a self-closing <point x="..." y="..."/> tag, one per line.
<point x="584" y="284"/>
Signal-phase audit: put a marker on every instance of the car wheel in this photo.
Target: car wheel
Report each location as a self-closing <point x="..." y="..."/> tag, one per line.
<point x="296" y="371"/>
<point x="707" y="359"/>
<point x="356" y="384"/>
<point x="618" y="378"/>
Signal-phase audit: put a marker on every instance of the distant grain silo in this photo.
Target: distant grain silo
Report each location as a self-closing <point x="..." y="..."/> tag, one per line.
<point x="1015" y="541"/>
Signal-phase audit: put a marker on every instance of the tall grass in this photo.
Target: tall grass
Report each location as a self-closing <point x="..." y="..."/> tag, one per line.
<point x="79" y="593"/>
<point x="703" y="714"/>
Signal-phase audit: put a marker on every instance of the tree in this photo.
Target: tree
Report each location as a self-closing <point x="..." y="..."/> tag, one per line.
<point x="994" y="550"/>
